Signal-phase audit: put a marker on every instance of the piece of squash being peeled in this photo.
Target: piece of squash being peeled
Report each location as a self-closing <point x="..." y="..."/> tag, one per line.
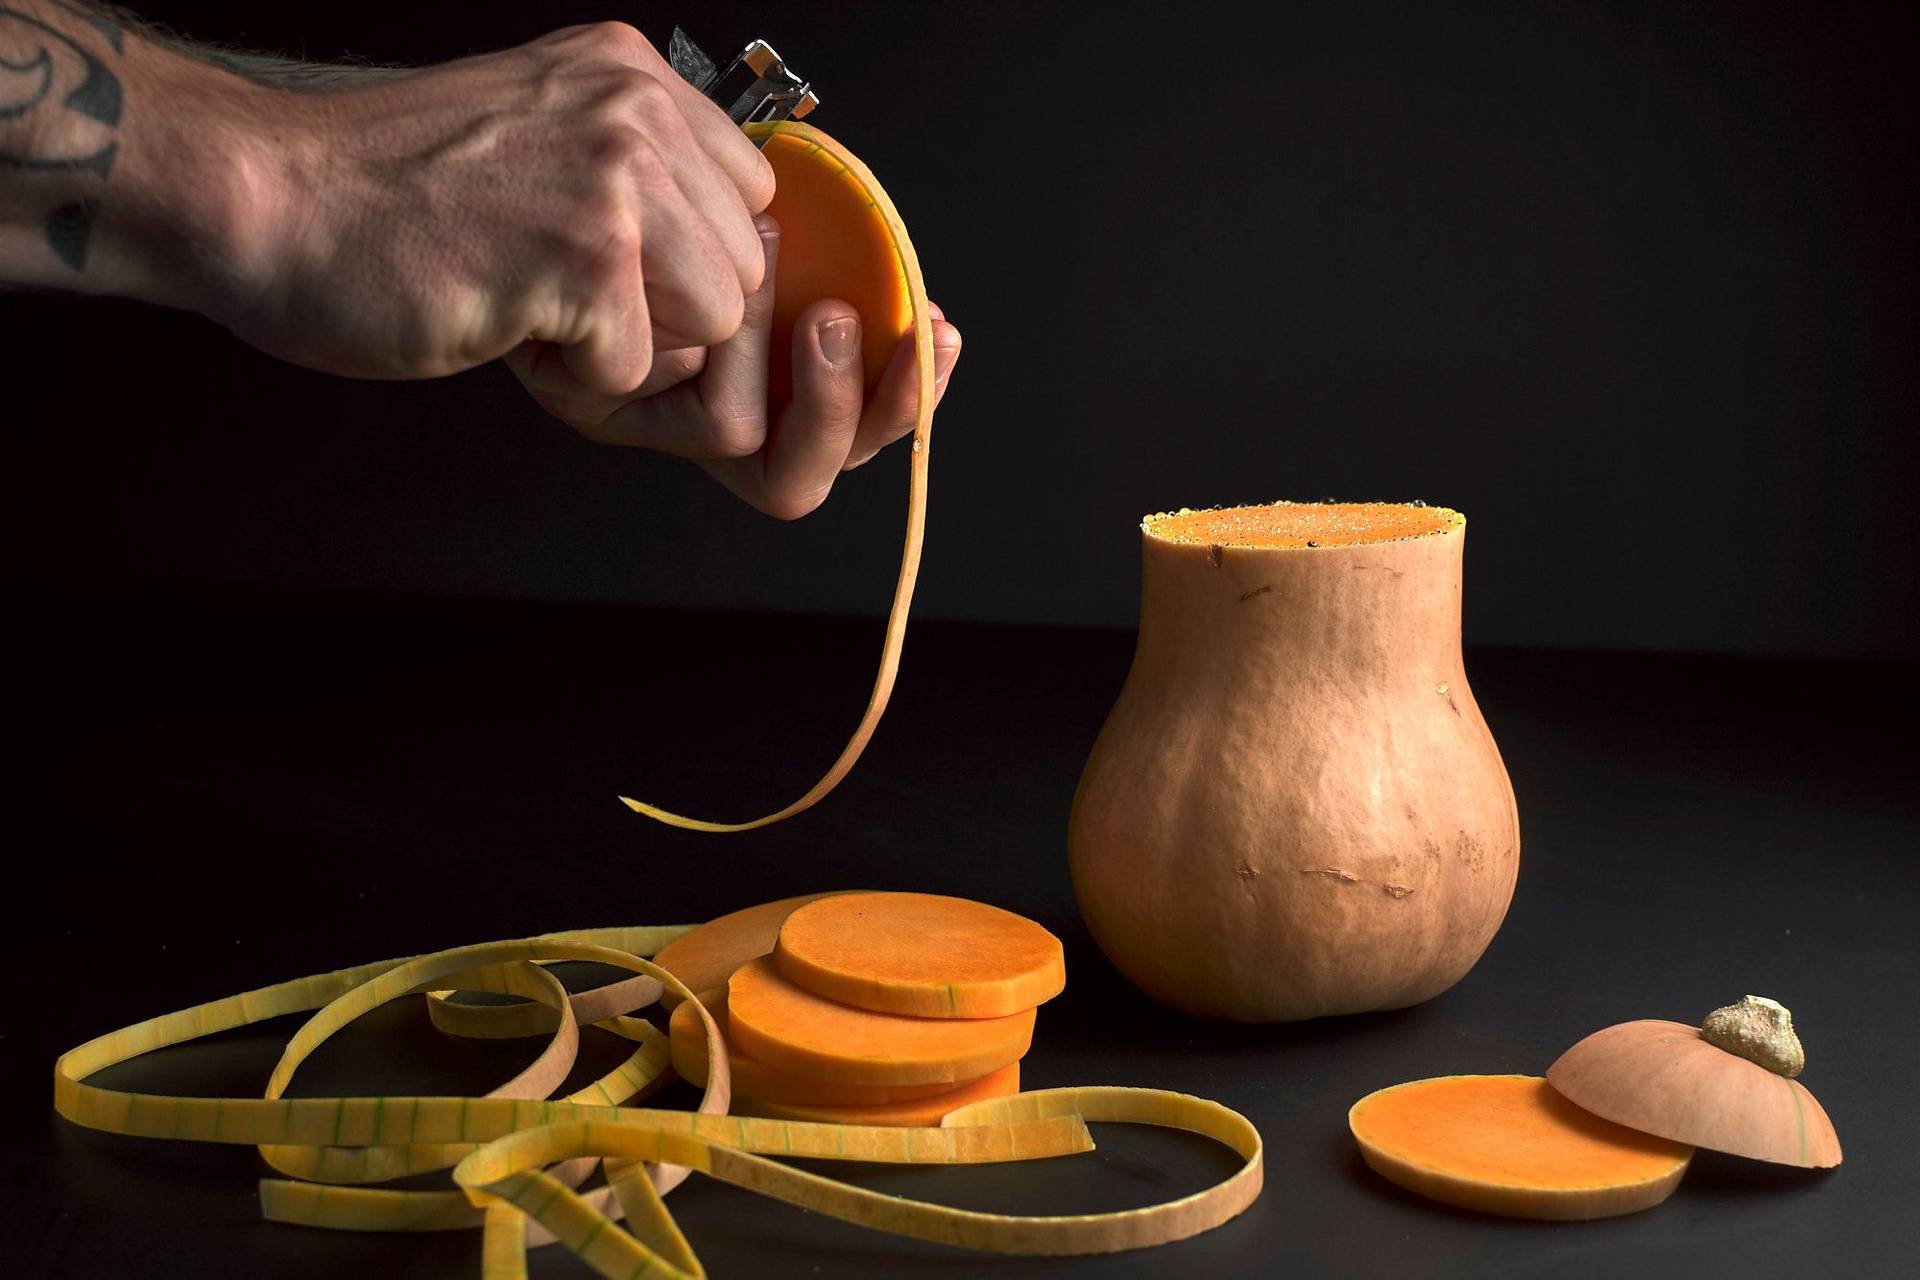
<point x="840" y="237"/>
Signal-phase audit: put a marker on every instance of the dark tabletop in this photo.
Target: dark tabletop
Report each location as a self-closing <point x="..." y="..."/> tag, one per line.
<point x="224" y="793"/>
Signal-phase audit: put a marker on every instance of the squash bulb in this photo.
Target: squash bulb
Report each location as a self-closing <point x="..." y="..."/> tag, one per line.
<point x="1295" y="808"/>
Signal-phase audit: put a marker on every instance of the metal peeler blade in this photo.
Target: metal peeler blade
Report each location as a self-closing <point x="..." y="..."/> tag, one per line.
<point x="756" y="86"/>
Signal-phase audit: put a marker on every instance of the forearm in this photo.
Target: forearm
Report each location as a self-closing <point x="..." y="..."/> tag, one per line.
<point x="126" y="167"/>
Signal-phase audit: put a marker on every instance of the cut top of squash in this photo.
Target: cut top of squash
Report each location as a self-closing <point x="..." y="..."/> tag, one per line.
<point x="1665" y="1078"/>
<point x="925" y="955"/>
<point x="1303" y="524"/>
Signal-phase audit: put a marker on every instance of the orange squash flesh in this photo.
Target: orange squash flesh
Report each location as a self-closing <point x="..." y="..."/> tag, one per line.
<point x="834" y="243"/>
<point x="1303" y="524"/>
<point x="916" y="1112"/>
<point x="920" y="954"/>
<point x="688" y="1046"/>
<point x="835" y="218"/>
<point x="705" y="957"/>
<point x="1511" y="1145"/>
<point x="789" y="1027"/>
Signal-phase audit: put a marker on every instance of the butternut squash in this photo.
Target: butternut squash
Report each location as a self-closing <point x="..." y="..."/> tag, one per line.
<point x="705" y="956"/>
<point x="688" y="1052"/>
<point x="835" y="242"/>
<point x="790" y="1028"/>
<point x="929" y="1110"/>
<point x="924" y="955"/>
<point x="1295" y="808"/>
<point x="1512" y="1145"/>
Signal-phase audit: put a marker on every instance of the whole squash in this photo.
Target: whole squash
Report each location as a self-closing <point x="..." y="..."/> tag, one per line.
<point x="1295" y="808"/>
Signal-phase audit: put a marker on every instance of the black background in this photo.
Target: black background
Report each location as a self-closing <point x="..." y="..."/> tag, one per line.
<point x="1633" y="285"/>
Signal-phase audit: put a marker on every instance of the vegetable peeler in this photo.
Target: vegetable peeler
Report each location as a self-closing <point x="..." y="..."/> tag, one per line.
<point x="756" y="86"/>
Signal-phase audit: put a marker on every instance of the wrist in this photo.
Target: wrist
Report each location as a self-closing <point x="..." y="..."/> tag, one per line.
<point x="128" y="170"/>
<point x="198" y="192"/>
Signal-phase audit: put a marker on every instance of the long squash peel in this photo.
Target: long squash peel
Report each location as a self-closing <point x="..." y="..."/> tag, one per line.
<point x="519" y="1157"/>
<point x="842" y="238"/>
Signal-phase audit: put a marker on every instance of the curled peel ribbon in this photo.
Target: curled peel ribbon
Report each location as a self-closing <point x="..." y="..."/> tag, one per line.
<point x="519" y="1157"/>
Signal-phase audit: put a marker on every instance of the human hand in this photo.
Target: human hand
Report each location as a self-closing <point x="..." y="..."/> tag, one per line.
<point x="571" y="204"/>
<point x="710" y="405"/>
<point x="573" y="191"/>
<point x="591" y="221"/>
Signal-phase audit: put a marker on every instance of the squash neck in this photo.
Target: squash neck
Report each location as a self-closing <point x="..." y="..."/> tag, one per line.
<point x="1377" y="609"/>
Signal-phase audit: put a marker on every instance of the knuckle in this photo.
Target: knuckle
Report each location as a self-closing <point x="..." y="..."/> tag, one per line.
<point x="652" y="95"/>
<point x="757" y="189"/>
<point x="648" y="163"/>
<point x="735" y="435"/>
<point x="642" y="93"/>
<point x="622" y="152"/>
<point x="730" y="312"/>
<point x="753" y="274"/>
<point x="715" y="315"/>
<point x="675" y="367"/>
<point x="844" y="404"/>
<point x="836" y="404"/>
<point x="614" y="37"/>
<point x="792" y="504"/>
<point x="616" y="143"/>
<point x="585" y="418"/>
<point x="605" y="251"/>
<point x="754" y="265"/>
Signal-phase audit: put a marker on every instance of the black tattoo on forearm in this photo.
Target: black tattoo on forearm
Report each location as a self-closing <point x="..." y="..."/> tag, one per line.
<point x="67" y="230"/>
<point x="51" y="78"/>
<point x="30" y="93"/>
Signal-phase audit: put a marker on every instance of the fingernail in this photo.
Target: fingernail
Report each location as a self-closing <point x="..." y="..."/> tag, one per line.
<point x="766" y="226"/>
<point x="943" y="358"/>
<point x="840" y="340"/>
